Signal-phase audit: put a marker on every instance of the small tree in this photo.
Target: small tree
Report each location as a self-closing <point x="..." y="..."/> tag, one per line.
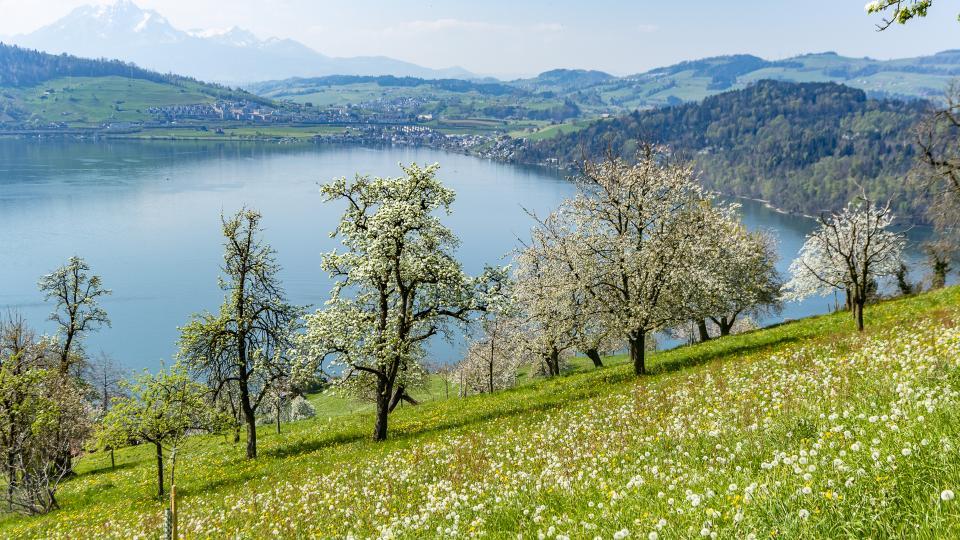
<point x="245" y="346"/>
<point x="546" y="297"/>
<point x="77" y="294"/>
<point x="490" y="364"/>
<point x="104" y="380"/>
<point x="397" y="285"/>
<point x="43" y="417"/>
<point x="161" y="409"/>
<point x="740" y="276"/>
<point x="850" y="251"/>
<point x="940" y="256"/>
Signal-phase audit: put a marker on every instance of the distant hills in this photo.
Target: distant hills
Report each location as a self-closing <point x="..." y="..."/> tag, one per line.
<point x="145" y="37"/>
<point x="922" y="77"/>
<point x="804" y="147"/>
<point x="43" y="90"/>
<point x="925" y="76"/>
<point x="595" y="92"/>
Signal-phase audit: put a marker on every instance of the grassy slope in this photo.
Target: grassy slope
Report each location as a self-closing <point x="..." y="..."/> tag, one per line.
<point x="590" y="453"/>
<point x="90" y="101"/>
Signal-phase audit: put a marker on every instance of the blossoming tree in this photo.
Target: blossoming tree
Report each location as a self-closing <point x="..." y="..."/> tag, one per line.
<point x="740" y="275"/>
<point x="397" y="285"/>
<point x="850" y="251"/>
<point x="631" y="242"/>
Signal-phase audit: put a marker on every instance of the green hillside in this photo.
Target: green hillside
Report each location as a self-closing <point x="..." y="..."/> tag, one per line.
<point x="804" y="147"/>
<point x="42" y="90"/>
<point x="802" y="430"/>
<point x="93" y="101"/>
<point x="925" y="77"/>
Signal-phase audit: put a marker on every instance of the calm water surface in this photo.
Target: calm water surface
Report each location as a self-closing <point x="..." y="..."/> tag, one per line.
<point x="146" y="216"/>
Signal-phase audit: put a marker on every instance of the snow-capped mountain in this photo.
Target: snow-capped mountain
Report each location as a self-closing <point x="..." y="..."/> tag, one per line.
<point x="125" y="31"/>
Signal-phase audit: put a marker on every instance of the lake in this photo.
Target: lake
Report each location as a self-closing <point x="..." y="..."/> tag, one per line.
<point x="146" y="217"/>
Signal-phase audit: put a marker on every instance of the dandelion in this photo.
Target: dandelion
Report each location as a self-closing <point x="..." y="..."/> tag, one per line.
<point x="946" y="495"/>
<point x="803" y="513"/>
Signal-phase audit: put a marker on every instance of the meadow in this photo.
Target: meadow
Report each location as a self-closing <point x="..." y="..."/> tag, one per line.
<point x="802" y="430"/>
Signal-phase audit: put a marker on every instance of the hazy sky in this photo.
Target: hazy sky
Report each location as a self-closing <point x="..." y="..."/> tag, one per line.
<point x="512" y="37"/>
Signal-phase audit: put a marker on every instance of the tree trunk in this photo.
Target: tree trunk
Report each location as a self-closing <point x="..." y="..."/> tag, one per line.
<point x="725" y="326"/>
<point x="11" y="476"/>
<point x="383" y="411"/>
<point x="553" y="362"/>
<point x="858" y="308"/>
<point x="401" y="395"/>
<point x="638" y="351"/>
<point x="491" y="367"/>
<point x="594" y="355"/>
<point x="702" y="330"/>
<point x="278" y="416"/>
<point x="236" y="432"/>
<point x="250" y="418"/>
<point x="159" y="469"/>
<point x="113" y="461"/>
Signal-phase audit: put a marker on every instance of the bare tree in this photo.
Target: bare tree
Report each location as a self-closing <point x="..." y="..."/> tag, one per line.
<point x="938" y="168"/>
<point x="105" y="380"/>
<point x="77" y="294"/>
<point x="247" y="344"/>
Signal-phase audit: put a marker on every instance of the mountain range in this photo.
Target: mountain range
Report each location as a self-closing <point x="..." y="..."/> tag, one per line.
<point x="126" y="32"/>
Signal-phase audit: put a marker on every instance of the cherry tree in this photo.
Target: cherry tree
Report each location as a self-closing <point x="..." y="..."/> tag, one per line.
<point x="490" y="364"/>
<point x="397" y="285"/>
<point x="851" y="250"/>
<point x="741" y="277"/>
<point x="631" y="240"/>
<point x="543" y="294"/>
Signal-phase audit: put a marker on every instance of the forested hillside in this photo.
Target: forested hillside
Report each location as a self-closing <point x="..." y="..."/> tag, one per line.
<point x="805" y="147"/>
<point x="21" y="68"/>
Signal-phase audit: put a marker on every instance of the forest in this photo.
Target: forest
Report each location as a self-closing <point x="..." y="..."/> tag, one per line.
<point x="804" y="147"/>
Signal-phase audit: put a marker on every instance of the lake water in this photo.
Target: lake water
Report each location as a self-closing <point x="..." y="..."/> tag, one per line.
<point x="146" y="216"/>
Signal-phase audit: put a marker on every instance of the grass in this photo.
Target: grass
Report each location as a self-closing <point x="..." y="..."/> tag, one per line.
<point x="801" y="430"/>
<point x="237" y="133"/>
<point x="91" y="101"/>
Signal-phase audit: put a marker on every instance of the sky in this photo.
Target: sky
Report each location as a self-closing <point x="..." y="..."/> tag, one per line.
<point x="522" y="37"/>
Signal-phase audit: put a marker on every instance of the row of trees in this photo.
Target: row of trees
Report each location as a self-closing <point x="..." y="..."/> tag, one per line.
<point x="642" y="248"/>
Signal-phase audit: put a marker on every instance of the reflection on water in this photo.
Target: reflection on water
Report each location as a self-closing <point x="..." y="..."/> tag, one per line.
<point x="146" y="218"/>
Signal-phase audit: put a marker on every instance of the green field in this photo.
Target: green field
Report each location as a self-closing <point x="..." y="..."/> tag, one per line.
<point x="84" y="101"/>
<point x="238" y="133"/>
<point x="801" y="430"/>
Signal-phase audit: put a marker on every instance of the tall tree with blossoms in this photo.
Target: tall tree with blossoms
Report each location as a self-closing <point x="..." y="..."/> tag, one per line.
<point x="397" y="284"/>
<point x="849" y="251"/>
<point x="631" y="241"/>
